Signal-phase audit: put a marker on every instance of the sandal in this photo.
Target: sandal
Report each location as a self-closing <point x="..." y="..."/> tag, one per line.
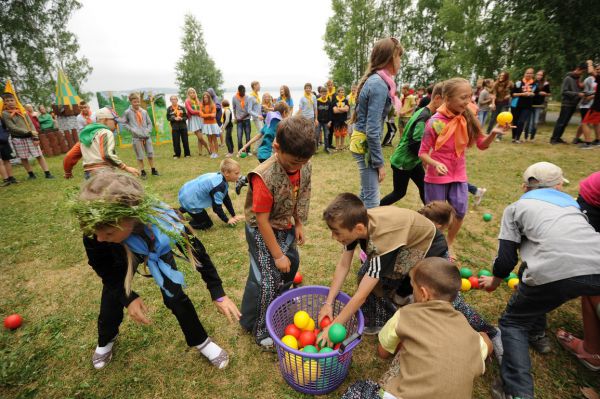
<point x="575" y="346"/>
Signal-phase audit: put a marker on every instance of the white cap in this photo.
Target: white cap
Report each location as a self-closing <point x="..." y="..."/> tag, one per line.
<point x="105" y="113"/>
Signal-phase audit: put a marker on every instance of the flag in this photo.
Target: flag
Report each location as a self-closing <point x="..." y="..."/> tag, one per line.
<point x="10" y="89"/>
<point x="65" y="94"/>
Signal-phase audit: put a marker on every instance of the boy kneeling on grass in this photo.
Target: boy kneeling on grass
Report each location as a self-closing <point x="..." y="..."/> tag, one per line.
<point x="438" y="354"/>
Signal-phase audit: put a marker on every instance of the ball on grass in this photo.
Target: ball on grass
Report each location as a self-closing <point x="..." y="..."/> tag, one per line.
<point x="243" y="155"/>
<point x="487" y="217"/>
<point x="13" y="321"/>
<point x="474" y="282"/>
<point x="465" y="272"/>
<point x="484" y="272"/>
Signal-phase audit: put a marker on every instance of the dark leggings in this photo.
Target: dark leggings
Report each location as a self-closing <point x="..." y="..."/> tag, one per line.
<point x="521" y="116"/>
<point x="401" y="178"/>
<point x="391" y="132"/>
<point x="228" y="138"/>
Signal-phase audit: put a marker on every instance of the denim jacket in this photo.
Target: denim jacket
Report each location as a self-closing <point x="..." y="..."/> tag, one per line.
<point x="372" y="108"/>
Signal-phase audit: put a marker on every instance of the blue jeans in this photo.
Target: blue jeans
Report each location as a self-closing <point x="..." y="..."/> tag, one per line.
<point x="525" y="316"/>
<point x="482" y="116"/>
<point x="243" y="126"/>
<point x="531" y="125"/>
<point x="369" y="182"/>
<point x="521" y="116"/>
<point x="326" y="133"/>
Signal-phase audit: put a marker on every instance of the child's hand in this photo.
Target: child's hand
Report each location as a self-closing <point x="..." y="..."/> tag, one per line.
<point x="228" y="308"/>
<point x="489" y="283"/>
<point x="131" y="170"/>
<point x="324" y="341"/>
<point x="441" y="169"/>
<point x="137" y="311"/>
<point x="283" y="264"/>
<point x="300" y="235"/>
<point x="326" y="310"/>
<point x="241" y="150"/>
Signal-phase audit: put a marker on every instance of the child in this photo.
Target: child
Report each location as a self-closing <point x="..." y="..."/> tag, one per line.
<point x="85" y="117"/>
<point x="447" y="136"/>
<point x="521" y="105"/>
<point x="219" y="106"/>
<point x="323" y="106"/>
<point x="177" y="116"/>
<point x="227" y="127"/>
<point x="279" y="191"/>
<point x="483" y="101"/>
<point x="339" y="118"/>
<point x="409" y="104"/>
<point x="192" y="107"/>
<point x="5" y="156"/>
<point x="46" y="120"/>
<point x="25" y="139"/>
<point x="330" y="89"/>
<point x="405" y="161"/>
<point x="267" y="134"/>
<point x="267" y="105"/>
<point x="208" y="113"/>
<point x="241" y="115"/>
<point x="255" y="106"/>
<point x="284" y="95"/>
<point x="307" y="106"/>
<point x="97" y="148"/>
<point x="124" y="227"/>
<point x="137" y="121"/>
<point x="390" y="123"/>
<point x="438" y="354"/>
<point x="210" y="190"/>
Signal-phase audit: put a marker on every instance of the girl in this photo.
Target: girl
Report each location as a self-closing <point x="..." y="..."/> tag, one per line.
<point x="484" y="99"/>
<point x="539" y="101"/>
<point x="192" y="107"/>
<point x="267" y="104"/>
<point x="339" y="117"/>
<point x="501" y="95"/>
<point x="523" y="93"/>
<point x="284" y="95"/>
<point x="373" y="106"/>
<point x="264" y="151"/>
<point x="447" y="135"/>
<point x="219" y="106"/>
<point x="176" y="116"/>
<point x="227" y="127"/>
<point x="124" y="227"/>
<point x="210" y="128"/>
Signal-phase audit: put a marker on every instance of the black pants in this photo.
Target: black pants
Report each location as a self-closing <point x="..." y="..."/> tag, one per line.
<point x="566" y="112"/>
<point x="180" y="135"/>
<point x="592" y="212"/>
<point x="401" y="178"/>
<point x="228" y="138"/>
<point x="391" y="132"/>
<point x="521" y="116"/>
<point x="200" y="220"/>
<point x="111" y="315"/>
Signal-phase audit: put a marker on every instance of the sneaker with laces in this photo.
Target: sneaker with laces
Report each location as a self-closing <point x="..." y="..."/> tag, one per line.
<point x="541" y="344"/>
<point x="585" y="146"/>
<point x="479" y="195"/>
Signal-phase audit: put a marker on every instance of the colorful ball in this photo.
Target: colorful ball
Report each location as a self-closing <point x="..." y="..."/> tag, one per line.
<point x="301" y="319"/>
<point x="504" y="118"/>
<point x="465" y="272"/>
<point x="298" y="278"/>
<point x="513" y="283"/>
<point x="13" y="321"/>
<point x="511" y="276"/>
<point x="292" y="330"/>
<point x="337" y="333"/>
<point x="291" y="341"/>
<point x="306" y="338"/>
<point x="465" y="285"/>
<point x="325" y="321"/>
<point x="243" y="155"/>
<point x="487" y="217"/>
<point x="474" y="282"/>
<point x="484" y="272"/>
<point x="310" y="326"/>
<point x="310" y="349"/>
<point x="326" y="350"/>
<point x="309" y="373"/>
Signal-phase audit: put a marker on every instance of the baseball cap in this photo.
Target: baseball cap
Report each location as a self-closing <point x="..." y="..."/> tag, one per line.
<point x="546" y="174"/>
<point x="105" y="113"/>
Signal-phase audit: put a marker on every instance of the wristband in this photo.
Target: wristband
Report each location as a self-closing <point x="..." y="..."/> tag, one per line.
<point x="220" y="299"/>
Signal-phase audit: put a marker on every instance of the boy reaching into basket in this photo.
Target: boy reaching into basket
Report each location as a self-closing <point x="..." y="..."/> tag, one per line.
<point x="276" y="209"/>
<point x="424" y="335"/>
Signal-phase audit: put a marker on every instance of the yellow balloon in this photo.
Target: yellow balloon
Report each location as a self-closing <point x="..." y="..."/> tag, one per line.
<point x="504" y="118"/>
<point x="310" y="372"/>
<point x="290" y="340"/>
<point x="465" y="285"/>
<point x="310" y="326"/>
<point x="301" y="319"/>
<point x="513" y="282"/>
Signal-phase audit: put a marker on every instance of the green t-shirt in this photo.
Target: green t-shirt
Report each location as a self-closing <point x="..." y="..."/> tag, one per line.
<point x="46" y="121"/>
<point x="403" y="158"/>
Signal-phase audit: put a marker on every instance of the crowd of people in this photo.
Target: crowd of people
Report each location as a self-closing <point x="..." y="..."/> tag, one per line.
<point x="409" y="283"/>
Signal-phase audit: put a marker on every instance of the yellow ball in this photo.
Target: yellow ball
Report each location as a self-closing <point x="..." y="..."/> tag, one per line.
<point x="465" y="285"/>
<point x="504" y="118"/>
<point x="291" y="341"/>
<point x="292" y="363"/>
<point x="310" y="326"/>
<point x="310" y="372"/>
<point x="513" y="282"/>
<point x="301" y="319"/>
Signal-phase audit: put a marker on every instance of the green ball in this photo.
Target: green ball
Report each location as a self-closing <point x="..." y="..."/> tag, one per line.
<point x="243" y="155"/>
<point x="487" y="217"/>
<point x="310" y="349"/>
<point x="465" y="272"/>
<point x="326" y="350"/>
<point x="484" y="272"/>
<point x="337" y="333"/>
<point x="510" y="276"/>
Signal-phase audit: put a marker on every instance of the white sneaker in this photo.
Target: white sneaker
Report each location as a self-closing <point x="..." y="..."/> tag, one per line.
<point x="479" y="195"/>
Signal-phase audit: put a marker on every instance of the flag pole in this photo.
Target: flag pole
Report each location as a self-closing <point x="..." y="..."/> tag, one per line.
<point x="154" y="118"/>
<point x="112" y="102"/>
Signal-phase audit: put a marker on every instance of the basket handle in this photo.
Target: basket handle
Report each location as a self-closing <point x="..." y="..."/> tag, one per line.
<point x="348" y="341"/>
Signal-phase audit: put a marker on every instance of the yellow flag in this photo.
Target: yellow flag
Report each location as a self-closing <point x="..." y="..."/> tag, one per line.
<point x="10" y="89"/>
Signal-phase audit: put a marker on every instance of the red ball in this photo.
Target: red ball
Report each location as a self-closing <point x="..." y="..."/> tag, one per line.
<point x="297" y="278"/>
<point x="474" y="282"/>
<point x="306" y="338"/>
<point x="291" y="329"/>
<point x="325" y="321"/>
<point x="337" y="346"/>
<point x="13" y="321"/>
<point x="317" y="332"/>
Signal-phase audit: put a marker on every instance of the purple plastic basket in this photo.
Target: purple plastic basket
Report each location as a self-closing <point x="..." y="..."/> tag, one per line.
<point x="312" y="373"/>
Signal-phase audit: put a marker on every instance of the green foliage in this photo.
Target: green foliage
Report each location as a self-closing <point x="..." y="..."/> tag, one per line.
<point x="196" y="68"/>
<point x="35" y="42"/>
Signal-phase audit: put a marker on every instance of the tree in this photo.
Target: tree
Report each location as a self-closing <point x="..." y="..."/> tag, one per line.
<point x="34" y="42"/>
<point x="196" y="68"/>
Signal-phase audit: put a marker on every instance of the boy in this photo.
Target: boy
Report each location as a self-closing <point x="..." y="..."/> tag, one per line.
<point x="394" y="239"/>
<point x="137" y="121"/>
<point x="97" y="148"/>
<point x="547" y="228"/>
<point x="307" y="106"/>
<point x="210" y="190"/>
<point x="324" y="118"/>
<point x="279" y="191"/>
<point x="6" y="156"/>
<point x="24" y="137"/>
<point x="85" y="117"/>
<point x="439" y="354"/>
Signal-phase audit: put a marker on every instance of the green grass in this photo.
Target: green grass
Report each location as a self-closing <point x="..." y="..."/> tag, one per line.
<point x="44" y="277"/>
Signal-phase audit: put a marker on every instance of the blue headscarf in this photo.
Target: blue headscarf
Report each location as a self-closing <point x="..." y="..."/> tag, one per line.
<point x="166" y="221"/>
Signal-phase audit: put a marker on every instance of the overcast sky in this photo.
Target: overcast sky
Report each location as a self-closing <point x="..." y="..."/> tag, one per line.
<point x="133" y="43"/>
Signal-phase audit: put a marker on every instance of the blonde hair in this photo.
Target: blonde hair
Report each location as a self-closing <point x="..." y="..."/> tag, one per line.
<point x="254" y="83"/>
<point x="451" y="87"/>
<point x="133" y="96"/>
<point x="189" y="90"/>
<point x="228" y="165"/>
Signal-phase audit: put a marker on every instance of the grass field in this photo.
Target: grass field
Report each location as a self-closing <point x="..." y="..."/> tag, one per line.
<point x="44" y="277"/>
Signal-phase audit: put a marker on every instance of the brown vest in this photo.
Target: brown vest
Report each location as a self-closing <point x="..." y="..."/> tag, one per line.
<point x="440" y="354"/>
<point x="286" y="203"/>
